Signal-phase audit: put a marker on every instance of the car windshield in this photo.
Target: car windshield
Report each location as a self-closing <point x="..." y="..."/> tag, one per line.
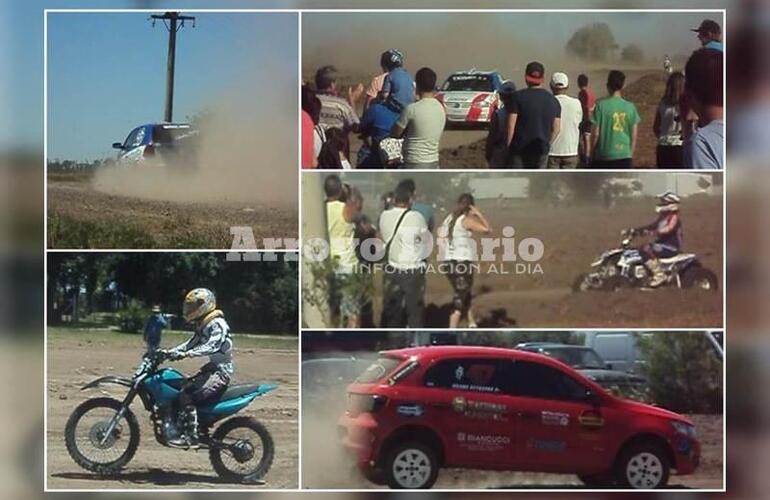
<point x="474" y="83"/>
<point x="576" y="357"/>
<point x="378" y="370"/>
<point x="168" y="135"/>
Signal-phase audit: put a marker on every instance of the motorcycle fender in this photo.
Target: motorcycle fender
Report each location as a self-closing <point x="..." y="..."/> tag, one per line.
<point x="110" y="379"/>
<point x="606" y="255"/>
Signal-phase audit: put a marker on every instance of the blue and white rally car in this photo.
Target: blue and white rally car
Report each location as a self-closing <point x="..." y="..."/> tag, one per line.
<point x="471" y="97"/>
<point x="159" y="144"/>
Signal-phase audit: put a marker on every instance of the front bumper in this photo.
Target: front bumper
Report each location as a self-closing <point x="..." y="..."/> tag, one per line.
<point x="687" y="454"/>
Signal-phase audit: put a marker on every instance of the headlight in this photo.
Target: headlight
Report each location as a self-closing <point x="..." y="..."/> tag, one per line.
<point x="683" y="428"/>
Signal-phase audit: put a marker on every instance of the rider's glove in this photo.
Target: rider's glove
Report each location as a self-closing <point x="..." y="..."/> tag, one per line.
<point x="175" y="355"/>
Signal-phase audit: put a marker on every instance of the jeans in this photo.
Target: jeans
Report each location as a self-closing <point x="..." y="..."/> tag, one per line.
<point x="524" y="160"/>
<point x="403" y="302"/>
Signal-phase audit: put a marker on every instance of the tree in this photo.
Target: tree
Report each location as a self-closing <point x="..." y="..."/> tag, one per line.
<point x="594" y="42"/>
<point x="683" y="372"/>
<point x="632" y="53"/>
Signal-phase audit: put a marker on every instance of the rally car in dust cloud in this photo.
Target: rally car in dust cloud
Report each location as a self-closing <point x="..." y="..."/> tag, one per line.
<point x="159" y="144"/>
<point x="470" y="97"/>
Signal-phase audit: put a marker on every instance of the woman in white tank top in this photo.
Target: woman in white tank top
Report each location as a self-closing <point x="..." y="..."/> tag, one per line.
<point x="459" y="254"/>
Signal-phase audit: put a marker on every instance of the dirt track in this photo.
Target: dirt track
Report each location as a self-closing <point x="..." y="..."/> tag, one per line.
<point x="573" y="237"/>
<point x="79" y="216"/>
<point x="74" y="361"/>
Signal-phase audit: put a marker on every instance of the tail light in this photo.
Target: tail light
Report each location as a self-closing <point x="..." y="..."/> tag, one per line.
<point x="365" y="403"/>
<point x="149" y="151"/>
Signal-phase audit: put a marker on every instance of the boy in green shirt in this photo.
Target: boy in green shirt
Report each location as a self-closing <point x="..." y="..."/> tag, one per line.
<point x="614" y="126"/>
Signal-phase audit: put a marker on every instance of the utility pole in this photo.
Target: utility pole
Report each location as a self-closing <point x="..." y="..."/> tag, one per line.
<point x="173" y="22"/>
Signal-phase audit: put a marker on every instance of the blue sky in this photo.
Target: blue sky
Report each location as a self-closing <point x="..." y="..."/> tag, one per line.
<point x="106" y="71"/>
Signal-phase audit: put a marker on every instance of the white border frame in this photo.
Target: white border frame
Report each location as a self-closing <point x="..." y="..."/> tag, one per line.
<point x="300" y="12"/>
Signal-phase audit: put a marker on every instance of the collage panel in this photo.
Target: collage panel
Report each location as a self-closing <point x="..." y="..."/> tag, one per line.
<point x="175" y="130"/>
<point x="504" y="249"/>
<point x="467" y="410"/>
<point x="171" y="370"/>
<point x="476" y="90"/>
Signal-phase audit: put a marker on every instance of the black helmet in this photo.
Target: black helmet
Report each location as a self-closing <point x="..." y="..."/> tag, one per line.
<point x="391" y="59"/>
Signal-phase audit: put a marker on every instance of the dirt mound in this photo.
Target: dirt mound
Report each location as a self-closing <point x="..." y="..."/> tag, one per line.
<point x="645" y="93"/>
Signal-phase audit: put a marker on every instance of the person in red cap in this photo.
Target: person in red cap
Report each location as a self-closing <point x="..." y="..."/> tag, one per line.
<point x="710" y="35"/>
<point x="533" y="121"/>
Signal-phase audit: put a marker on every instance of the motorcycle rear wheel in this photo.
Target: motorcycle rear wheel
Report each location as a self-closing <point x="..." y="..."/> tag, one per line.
<point x="231" y="453"/>
<point x="699" y="277"/>
<point x="77" y="452"/>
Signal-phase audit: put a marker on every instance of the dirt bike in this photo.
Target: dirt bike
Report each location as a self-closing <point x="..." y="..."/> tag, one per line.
<point x="623" y="267"/>
<point x="102" y="434"/>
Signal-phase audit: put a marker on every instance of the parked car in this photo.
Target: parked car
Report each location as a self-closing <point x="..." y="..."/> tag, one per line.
<point x="588" y="362"/>
<point x="159" y="144"/>
<point x="416" y="410"/>
<point x="470" y="97"/>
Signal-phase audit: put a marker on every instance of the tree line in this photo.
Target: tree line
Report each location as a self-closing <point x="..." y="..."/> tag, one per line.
<point x="257" y="297"/>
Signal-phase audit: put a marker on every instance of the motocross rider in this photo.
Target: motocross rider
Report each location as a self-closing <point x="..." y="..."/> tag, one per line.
<point x="212" y="339"/>
<point x="667" y="229"/>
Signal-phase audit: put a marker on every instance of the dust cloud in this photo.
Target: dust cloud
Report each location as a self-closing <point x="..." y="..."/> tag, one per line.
<point x="247" y="152"/>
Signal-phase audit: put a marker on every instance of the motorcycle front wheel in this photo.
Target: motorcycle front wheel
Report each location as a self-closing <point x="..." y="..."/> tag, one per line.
<point x="242" y="450"/>
<point x="87" y="440"/>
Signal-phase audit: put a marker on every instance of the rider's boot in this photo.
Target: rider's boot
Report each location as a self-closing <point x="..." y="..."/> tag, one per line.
<point x="189" y="436"/>
<point x="658" y="276"/>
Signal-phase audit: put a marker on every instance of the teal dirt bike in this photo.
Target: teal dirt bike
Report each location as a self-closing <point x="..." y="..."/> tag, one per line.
<point x="102" y="434"/>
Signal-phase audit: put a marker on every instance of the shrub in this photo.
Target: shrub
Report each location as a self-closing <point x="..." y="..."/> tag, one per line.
<point x="132" y="318"/>
<point x="683" y="372"/>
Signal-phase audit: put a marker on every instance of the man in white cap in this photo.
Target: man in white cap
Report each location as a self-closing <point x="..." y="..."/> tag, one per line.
<point x="564" y="148"/>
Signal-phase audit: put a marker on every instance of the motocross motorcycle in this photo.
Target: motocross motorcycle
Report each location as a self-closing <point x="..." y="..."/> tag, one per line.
<point x="623" y="267"/>
<point x="102" y="434"/>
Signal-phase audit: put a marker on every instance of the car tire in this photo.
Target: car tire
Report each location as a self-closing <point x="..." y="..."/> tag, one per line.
<point x="411" y="465"/>
<point x="597" y="480"/>
<point x="643" y="466"/>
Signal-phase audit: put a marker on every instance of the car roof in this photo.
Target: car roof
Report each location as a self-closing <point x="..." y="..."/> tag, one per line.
<point x="450" y="351"/>
<point x="474" y="72"/>
<point x="167" y="125"/>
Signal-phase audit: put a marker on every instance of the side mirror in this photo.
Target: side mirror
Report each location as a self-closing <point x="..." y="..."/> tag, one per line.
<point x="117" y="145"/>
<point x="609" y="366"/>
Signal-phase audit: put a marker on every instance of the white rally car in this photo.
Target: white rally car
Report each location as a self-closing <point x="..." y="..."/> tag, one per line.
<point x="470" y="97"/>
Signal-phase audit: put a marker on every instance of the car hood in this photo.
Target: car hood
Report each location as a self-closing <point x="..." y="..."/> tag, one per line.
<point x="654" y="411"/>
<point x="461" y="95"/>
<point x="602" y="376"/>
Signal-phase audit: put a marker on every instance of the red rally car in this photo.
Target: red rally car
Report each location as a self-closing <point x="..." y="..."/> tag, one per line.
<point x="416" y="410"/>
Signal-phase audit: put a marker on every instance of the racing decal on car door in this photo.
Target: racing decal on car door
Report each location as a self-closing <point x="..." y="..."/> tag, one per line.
<point x="480" y="409"/>
<point x="554" y="418"/>
<point x="482" y="442"/>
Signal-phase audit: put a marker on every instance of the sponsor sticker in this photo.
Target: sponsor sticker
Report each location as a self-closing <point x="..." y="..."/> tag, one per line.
<point x="482" y="442"/>
<point x="546" y="445"/>
<point x="555" y="418"/>
<point x="410" y="410"/>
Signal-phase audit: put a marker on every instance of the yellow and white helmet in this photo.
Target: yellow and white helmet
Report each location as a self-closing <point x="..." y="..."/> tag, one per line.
<point x="198" y="303"/>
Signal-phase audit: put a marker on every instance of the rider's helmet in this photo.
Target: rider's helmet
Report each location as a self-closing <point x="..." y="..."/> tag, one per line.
<point x="667" y="202"/>
<point x="391" y="59"/>
<point x="198" y="303"/>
